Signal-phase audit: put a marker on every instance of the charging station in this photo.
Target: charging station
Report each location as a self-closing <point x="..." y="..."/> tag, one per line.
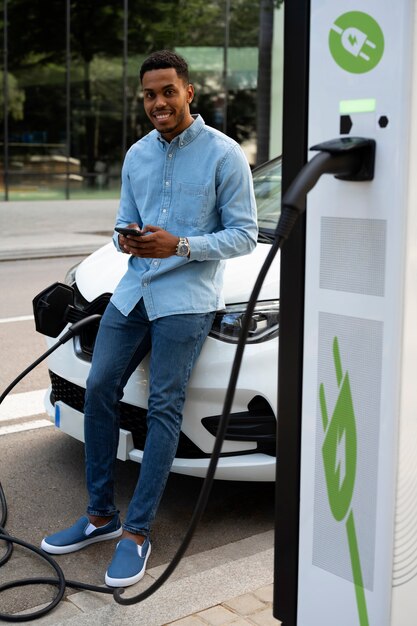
<point x="346" y="532"/>
<point x="346" y="489"/>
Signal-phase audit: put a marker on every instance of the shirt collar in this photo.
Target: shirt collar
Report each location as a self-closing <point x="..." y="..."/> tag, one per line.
<point x="189" y="134"/>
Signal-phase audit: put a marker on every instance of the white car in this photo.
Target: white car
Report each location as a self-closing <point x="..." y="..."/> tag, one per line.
<point x="248" y="452"/>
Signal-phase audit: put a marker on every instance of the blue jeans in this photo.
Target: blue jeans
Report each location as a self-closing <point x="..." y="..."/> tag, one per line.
<point x="122" y="342"/>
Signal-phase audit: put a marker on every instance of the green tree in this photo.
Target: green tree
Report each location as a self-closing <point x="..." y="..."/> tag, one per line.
<point x="37" y="47"/>
<point x="16" y="97"/>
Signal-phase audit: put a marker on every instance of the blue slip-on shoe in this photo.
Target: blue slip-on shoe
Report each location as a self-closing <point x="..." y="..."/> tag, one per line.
<point x="80" y="535"/>
<point x="128" y="563"/>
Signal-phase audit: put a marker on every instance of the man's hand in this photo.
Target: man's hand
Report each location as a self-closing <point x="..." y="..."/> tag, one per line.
<point x="155" y="243"/>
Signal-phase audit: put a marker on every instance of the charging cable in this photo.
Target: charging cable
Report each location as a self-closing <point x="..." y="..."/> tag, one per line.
<point x="347" y="158"/>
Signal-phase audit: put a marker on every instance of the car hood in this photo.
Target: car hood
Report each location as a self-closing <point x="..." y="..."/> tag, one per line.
<point x="101" y="271"/>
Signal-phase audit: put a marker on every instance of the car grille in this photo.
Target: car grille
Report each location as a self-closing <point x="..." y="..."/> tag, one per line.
<point x="133" y="419"/>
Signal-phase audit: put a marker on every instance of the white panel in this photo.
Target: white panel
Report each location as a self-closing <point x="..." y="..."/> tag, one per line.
<point x="404" y="593"/>
<point x="354" y="291"/>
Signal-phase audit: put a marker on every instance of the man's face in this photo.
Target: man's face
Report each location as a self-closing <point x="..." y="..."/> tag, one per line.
<point x="167" y="101"/>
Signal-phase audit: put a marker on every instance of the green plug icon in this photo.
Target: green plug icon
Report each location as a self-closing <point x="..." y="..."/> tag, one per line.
<point x="339" y="447"/>
<point x="339" y="452"/>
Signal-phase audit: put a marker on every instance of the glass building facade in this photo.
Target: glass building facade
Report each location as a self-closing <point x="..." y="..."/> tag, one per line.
<point x="71" y="103"/>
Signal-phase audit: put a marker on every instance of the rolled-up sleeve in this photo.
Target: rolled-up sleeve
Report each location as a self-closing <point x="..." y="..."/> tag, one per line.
<point x="236" y="206"/>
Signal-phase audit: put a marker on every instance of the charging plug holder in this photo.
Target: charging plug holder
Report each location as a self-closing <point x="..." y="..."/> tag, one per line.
<point x="361" y="146"/>
<point x="348" y="158"/>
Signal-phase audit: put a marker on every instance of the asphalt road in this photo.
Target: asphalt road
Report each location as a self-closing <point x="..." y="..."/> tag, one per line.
<point x="42" y="469"/>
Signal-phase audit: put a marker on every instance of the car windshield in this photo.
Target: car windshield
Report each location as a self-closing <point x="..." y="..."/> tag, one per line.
<point x="267" y="185"/>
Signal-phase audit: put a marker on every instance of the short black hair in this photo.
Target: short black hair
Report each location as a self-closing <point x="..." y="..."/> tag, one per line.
<point x="164" y="59"/>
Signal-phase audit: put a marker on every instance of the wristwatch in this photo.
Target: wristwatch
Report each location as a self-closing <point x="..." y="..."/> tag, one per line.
<point x="183" y="247"/>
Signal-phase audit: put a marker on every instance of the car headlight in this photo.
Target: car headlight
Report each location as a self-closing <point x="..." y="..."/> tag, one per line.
<point x="263" y="327"/>
<point x="70" y="276"/>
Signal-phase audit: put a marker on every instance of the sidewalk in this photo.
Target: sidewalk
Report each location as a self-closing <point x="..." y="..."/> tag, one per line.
<point x="229" y="585"/>
<point x="34" y="230"/>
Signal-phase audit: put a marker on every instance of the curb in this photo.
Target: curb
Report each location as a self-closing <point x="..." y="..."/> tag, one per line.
<point x="49" y="253"/>
<point x="202" y="581"/>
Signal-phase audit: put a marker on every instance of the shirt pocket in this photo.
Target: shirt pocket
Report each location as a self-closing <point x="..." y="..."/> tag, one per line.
<point x="191" y="206"/>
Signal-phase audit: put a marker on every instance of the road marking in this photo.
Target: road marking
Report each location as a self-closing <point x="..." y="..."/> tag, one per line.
<point x="20" y="405"/>
<point x="18" y="428"/>
<point x="21" y="318"/>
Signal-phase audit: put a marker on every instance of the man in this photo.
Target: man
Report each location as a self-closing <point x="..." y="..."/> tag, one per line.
<point x="187" y="190"/>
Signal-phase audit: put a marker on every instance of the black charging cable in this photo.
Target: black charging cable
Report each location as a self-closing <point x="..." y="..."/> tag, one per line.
<point x="343" y="158"/>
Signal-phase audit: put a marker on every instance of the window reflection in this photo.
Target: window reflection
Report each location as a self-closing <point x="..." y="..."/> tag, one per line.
<point x="74" y="103"/>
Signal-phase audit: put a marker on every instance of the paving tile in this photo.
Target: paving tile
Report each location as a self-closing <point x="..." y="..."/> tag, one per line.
<point x="191" y="620"/>
<point x="217" y="616"/>
<point x="88" y="601"/>
<point x="63" y="611"/>
<point x="265" y="593"/>
<point x="265" y="618"/>
<point x="246" y="604"/>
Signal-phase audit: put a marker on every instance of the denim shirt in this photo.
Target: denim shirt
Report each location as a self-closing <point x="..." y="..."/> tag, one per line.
<point x="197" y="186"/>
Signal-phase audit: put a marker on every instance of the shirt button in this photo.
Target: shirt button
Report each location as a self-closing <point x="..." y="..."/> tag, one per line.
<point x="145" y="284"/>
<point x="167" y="183"/>
<point x="155" y="263"/>
<point x="164" y="210"/>
<point x="170" y="155"/>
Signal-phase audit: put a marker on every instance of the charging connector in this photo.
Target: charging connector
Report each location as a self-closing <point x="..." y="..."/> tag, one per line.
<point x="348" y="158"/>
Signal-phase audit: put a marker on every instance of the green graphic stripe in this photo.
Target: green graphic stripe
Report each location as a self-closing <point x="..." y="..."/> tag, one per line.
<point x="337" y="361"/>
<point x="356" y="570"/>
<point x="323" y="406"/>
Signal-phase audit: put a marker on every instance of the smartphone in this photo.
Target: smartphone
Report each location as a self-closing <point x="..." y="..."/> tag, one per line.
<point x="128" y="231"/>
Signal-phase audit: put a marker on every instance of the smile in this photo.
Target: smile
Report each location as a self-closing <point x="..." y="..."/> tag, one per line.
<point x="162" y="116"/>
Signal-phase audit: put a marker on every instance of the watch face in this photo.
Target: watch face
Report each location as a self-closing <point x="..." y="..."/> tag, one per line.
<point x="183" y="249"/>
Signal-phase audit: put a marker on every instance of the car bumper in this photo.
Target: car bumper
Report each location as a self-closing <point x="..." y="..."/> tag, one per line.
<point x="242" y="459"/>
<point x="256" y="466"/>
